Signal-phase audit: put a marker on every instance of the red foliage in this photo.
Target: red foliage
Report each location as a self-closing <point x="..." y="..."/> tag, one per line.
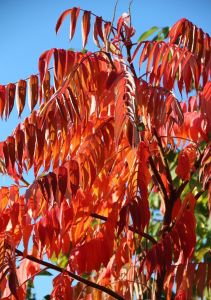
<point x="104" y="144"/>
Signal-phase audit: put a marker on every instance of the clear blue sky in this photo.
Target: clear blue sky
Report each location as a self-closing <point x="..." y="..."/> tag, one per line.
<point x="27" y="30"/>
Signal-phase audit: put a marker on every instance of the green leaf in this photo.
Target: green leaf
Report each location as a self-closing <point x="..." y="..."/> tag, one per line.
<point x="202" y="252"/>
<point x="61" y="260"/>
<point x="162" y="34"/>
<point x="141" y="127"/>
<point x="147" y="33"/>
<point x="165" y="31"/>
<point x="85" y="276"/>
<point x="44" y="273"/>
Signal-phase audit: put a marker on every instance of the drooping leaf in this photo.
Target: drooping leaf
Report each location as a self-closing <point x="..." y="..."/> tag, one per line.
<point x="21" y="96"/>
<point x="85" y="27"/>
<point x="33" y="91"/>
<point x="2" y="99"/>
<point x="61" y="18"/>
<point x="74" y="16"/>
<point x="10" y="97"/>
<point x="147" y="33"/>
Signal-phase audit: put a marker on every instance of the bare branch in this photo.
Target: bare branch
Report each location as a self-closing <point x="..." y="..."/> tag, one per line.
<point x="71" y="274"/>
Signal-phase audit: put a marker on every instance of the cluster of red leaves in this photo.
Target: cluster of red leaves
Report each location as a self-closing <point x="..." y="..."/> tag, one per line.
<point x="97" y="141"/>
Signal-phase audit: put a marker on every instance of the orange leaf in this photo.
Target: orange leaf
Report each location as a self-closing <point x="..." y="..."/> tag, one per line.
<point x="85" y="27"/>
<point x="186" y="161"/>
<point x="21" y="96"/>
<point x="11" y="149"/>
<point x="98" y="30"/>
<point x="61" y="19"/>
<point x="10" y="97"/>
<point x="74" y="16"/>
<point x="33" y="91"/>
<point x="19" y="144"/>
<point x="2" y="99"/>
<point x="30" y="142"/>
<point x="62" y="180"/>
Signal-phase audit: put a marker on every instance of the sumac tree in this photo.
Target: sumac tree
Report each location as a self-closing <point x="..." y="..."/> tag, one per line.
<point x="121" y="192"/>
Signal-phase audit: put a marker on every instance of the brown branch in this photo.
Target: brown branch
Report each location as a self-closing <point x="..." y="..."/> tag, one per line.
<point x="24" y="181"/>
<point x="180" y="189"/>
<point x="129" y="59"/>
<point x="114" y="15"/>
<point x="159" y="181"/>
<point x="198" y="195"/>
<point x="131" y="228"/>
<point x="165" y="162"/>
<point x="74" y="276"/>
<point x="129" y="9"/>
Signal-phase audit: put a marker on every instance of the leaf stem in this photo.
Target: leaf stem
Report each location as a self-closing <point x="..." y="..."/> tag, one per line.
<point x="131" y="228"/>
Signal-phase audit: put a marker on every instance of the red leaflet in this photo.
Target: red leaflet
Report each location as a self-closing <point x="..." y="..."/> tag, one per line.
<point x="111" y="79"/>
<point x="43" y="64"/>
<point x="46" y="87"/>
<point x="62" y="180"/>
<point x="62" y="17"/>
<point x="98" y="30"/>
<point x="21" y="96"/>
<point x="85" y="27"/>
<point x="186" y="161"/>
<point x="10" y="97"/>
<point x="30" y="142"/>
<point x="84" y="259"/>
<point x="11" y="149"/>
<point x="62" y="287"/>
<point x="74" y="17"/>
<point x="19" y="144"/>
<point x="2" y="99"/>
<point x="33" y="91"/>
<point x="109" y="149"/>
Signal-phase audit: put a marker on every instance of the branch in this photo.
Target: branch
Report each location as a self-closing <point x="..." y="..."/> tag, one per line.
<point x="180" y="189"/>
<point x="129" y="59"/>
<point x="114" y="14"/>
<point x="24" y="181"/>
<point x="129" y="9"/>
<point x="198" y="195"/>
<point x="131" y="228"/>
<point x="159" y="181"/>
<point x="74" y="276"/>
<point x="163" y="156"/>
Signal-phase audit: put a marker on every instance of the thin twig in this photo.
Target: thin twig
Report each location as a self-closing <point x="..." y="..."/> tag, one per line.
<point x="131" y="228"/>
<point x="71" y="274"/>
<point x="24" y="181"/>
<point x="114" y="15"/>
<point x="179" y="137"/>
<point x="129" y="10"/>
<point x="198" y="195"/>
<point x="129" y="59"/>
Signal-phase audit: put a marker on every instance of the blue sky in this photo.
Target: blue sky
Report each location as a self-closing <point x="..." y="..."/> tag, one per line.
<point x="27" y="30"/>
